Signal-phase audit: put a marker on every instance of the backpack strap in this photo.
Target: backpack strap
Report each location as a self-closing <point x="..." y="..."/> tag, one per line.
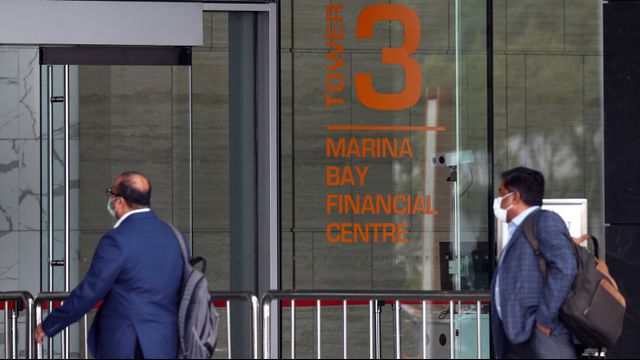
<point x="596" y="247"/>
<point x="181" y="242"/>
<point x="185" y="253"/>
<point x="531" y="237"/>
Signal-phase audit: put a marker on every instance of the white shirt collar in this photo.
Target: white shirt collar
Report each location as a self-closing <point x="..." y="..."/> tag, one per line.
<point x="129" y="213"/>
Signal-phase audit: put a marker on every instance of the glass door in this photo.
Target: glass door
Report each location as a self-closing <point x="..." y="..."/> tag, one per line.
<point x="199" y="122"/>
<point x="106" y="119"/>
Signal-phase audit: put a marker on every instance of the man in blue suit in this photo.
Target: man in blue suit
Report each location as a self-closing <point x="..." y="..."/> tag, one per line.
<point x="525" y="307"/>
<point x="137" y="271"/>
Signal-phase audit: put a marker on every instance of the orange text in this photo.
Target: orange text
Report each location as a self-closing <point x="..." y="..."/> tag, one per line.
<point x="370" y="232"/>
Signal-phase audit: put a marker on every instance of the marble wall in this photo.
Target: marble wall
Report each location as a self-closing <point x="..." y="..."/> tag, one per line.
<point x="19" y="169"/>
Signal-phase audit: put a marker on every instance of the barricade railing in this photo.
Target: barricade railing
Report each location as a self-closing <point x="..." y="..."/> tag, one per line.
<point x="12" y="302"/>
<point x="373" y="299"/>
<point x="50" y="301"/>
<point x="223" y="300"/>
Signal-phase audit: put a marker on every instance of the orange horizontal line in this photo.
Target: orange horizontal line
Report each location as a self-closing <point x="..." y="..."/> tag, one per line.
<point x="384" y="128"/>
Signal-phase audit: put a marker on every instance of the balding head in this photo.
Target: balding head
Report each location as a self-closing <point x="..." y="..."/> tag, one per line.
<point x="134" y="188"/>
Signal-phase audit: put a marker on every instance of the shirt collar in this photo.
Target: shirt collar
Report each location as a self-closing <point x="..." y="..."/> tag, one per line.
<point x="128" y="214"/>
<point x="516" y="221"/>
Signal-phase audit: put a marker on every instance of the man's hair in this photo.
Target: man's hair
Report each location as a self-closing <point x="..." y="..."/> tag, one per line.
<point x="131" y="193"/>
<point x="528" y="182"/>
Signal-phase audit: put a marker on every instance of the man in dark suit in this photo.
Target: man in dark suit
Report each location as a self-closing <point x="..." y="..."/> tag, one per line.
<point x="137" y="271"/>
<point x="524" y="306"/>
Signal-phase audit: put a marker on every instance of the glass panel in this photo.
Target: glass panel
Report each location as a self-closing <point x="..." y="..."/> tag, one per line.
<point x="451" y="100"/>
<point x="548" y="78"/>
<point x="548" y="115"/>
<point x="549" y="100"/>
<point x="367" y="202"/>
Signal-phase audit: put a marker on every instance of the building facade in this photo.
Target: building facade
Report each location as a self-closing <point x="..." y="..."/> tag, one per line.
<point x="302" y="144"/>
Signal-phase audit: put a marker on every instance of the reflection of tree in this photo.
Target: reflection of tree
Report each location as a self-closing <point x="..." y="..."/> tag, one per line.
<point x="417" y="258"/>
<point x="556" y="153"/>
<point x="406" y="256"/>
<point x="569" y="156"/>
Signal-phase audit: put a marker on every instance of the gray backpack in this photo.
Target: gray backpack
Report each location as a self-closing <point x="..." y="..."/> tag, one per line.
<point x="197" y="316"/>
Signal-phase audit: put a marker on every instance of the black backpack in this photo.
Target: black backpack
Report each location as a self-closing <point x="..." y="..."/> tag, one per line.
<point x="594" y="309"/>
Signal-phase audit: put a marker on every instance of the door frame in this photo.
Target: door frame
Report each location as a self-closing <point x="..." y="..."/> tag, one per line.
<point x="268" y="145"/>
<point x="268" y="152"/>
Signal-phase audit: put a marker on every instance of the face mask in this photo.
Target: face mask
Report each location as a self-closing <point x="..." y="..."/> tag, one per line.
<point x="498" y="211"/>
<point x="110" y="209"/>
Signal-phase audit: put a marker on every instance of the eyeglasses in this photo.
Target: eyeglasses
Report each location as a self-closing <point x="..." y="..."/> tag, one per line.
<point x="110" y="192"/>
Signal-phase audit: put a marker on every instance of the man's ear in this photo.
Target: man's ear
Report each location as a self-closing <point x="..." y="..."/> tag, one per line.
<point x="516" y="197"/>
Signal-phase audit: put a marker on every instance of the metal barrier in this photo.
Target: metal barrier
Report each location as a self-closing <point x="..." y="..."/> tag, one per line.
<point x="51" y="301"/>
<point x="372" y="298"/>
<point x="12" y="302"/>
<point x="223" y="299"/>
<point x="220" y="299"/>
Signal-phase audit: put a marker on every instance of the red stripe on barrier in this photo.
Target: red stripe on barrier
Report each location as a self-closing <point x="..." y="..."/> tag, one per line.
<point x="309" y="303"/>
<point x="58" y="303"/>
<point x="284" y="303"/>
<point x="11" y="305"/>
<point x="54" y="304"/>
<point x="329" y="302"/>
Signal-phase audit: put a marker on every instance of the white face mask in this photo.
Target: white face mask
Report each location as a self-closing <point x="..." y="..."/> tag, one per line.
<point x="498" y="211"/>
<point x="110" y="209"/>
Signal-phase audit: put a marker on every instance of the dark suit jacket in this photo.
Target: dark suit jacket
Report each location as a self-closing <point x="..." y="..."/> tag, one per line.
<point x="137" y="270"/>
<point x="524" y="296"/>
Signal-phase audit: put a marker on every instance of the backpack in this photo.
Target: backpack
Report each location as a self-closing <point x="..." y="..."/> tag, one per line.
<point x="594" y="309"/>
<point x="197" y="316"/>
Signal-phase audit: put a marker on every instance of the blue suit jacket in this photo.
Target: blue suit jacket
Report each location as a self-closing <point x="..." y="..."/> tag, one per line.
<point x="137" y="270"/>
<point x="524" y="296"/>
